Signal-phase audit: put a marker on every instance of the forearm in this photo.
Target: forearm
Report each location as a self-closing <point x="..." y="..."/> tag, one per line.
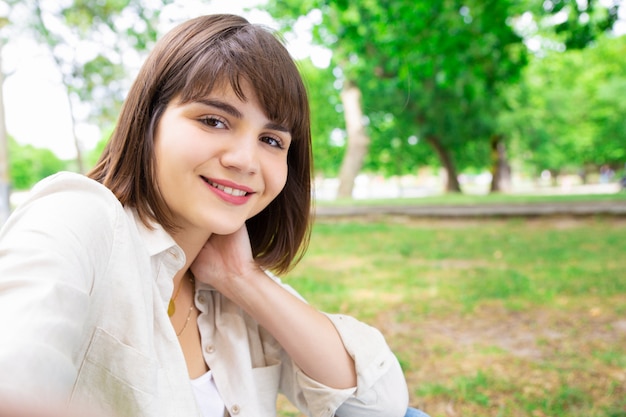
<point x="307" y="335"/>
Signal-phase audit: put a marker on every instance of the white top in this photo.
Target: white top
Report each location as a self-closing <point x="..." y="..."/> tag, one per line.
<point x="209" y="401"/>
<point x="84" y="289"/>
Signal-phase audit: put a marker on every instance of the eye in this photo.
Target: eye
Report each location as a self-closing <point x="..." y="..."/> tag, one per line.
<point x="273" y="141"/>
<point x="214" y="121"/>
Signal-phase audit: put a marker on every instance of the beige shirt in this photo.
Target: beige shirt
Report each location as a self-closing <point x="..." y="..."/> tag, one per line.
<point x="84" y="288"/>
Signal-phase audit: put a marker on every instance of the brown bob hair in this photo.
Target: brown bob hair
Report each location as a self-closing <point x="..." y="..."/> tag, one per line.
<point x="189" y="62"/>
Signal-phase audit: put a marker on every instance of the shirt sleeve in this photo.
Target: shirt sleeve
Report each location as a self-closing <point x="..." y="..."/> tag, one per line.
<point x="381" y="389"/>
<point x="51" y="249"/>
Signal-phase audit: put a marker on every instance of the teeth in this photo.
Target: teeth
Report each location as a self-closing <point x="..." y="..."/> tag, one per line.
<point x="228" y="190"/>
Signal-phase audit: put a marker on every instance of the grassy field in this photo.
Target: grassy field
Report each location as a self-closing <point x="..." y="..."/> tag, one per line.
<point x="487" y="317"/>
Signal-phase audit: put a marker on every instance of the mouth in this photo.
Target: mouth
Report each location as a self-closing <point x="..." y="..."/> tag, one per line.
<point x="227" y="190"/>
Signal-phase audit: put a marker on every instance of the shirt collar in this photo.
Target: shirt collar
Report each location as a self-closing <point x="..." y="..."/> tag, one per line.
<point x="155" y="238"/>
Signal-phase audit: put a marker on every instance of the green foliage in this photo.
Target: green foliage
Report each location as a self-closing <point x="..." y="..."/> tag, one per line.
<point x="449" y="76"/>
<point x="29" y="164"/>
<point x="431" y="71"/>
<point x="584" y="21"/>
<point x="569" y="111"/>
<point x="324" y="100"/>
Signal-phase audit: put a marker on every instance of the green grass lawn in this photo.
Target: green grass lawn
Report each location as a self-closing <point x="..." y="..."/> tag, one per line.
<point x="487" y="317"/>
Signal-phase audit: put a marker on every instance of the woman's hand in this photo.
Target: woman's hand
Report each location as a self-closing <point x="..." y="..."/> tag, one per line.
<point x="224" y="258"/>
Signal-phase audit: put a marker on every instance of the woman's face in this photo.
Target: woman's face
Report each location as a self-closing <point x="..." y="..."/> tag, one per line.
<point x="219" y="160"/>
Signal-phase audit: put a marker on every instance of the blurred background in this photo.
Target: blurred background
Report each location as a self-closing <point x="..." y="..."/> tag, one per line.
<point x="454" y="103"/>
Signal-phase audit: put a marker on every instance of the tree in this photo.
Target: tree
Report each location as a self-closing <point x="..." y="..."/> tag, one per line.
<point x="30" y="164"/>
<point x="326" y="125"/>
<point x="398" y="155"/>
<point x="446" y="72"/>
<point x="358" y="140"/>
<point x="570" y="109"/>
<point x="437" y="67"/>
<point x="575" y="24"/>
<point x="87" y="41"/>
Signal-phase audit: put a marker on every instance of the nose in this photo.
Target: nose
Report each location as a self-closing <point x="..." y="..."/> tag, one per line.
<point x="242" y="155"/>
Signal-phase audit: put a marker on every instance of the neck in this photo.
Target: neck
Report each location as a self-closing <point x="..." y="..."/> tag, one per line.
<point x="191" y="243"/>
<point x="182" y="276"/>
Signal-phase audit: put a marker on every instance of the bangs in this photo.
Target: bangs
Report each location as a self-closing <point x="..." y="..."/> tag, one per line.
<point x="250" y="54"/>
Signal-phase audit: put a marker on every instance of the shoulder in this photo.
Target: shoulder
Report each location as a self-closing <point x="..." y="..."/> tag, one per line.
<point x="66" y="203"/>
<point x="65" y="231"/>
<point x="70" y="192"/>
<point x="72" y="185"/>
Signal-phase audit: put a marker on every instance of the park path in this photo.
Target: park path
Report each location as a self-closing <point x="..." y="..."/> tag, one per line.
<point x="590" y="208"/>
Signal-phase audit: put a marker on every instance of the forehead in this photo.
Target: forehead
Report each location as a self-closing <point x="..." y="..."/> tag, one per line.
<point x="209" y="59"/>
<point x="239" y="90"/>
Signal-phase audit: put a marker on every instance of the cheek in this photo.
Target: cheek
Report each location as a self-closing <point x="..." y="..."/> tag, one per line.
<point x="275" y="181"/>
<point x="158" y="163"/>
<point x="176" y="150"/>
<point x="280" y="179"/>
<point x="274" y="185"/>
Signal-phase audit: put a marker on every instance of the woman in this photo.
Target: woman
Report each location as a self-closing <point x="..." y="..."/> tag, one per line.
<point x="144" y="289"/>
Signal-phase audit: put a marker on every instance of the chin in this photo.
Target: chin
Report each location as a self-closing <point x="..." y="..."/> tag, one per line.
<point x="224" y="232"/>
<point x="225" y="227"/>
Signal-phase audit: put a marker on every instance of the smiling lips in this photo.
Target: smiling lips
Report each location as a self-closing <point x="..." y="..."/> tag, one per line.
<point x="229" y="192"/>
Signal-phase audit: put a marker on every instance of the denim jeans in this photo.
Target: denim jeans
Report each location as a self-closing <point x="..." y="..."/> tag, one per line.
<point x="414" y="412"/>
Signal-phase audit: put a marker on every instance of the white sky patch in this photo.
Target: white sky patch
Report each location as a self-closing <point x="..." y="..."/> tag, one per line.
<point x="36" y="106"/>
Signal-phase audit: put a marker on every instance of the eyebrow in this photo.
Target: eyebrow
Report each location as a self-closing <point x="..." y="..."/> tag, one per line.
<point x="236" y="113"/>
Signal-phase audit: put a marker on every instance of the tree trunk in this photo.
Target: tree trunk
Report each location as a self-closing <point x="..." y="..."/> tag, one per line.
<point x="500" y="168"/>
<point x="452" y="182"/>
<point x="52" y="42"/>
<point x="77" y="145"/>
<point x="5" y="180"/>
<point x="554" y="177"/>
<point x="358" y="141"/>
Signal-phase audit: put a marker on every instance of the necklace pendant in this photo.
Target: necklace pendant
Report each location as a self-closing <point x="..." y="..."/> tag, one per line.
<point x="171" y="308"/>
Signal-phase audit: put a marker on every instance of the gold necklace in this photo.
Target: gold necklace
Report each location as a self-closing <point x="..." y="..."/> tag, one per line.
<point x="171" y="307"/>
<point x="191" y="307"/>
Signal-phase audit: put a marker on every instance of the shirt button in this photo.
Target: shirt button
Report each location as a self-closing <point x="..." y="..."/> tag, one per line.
<point x="202" y="299"/>
<point x="210" y="349"/>
<point x="235" y="409"/>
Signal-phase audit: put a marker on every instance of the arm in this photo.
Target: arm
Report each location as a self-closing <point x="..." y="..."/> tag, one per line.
<point x="381" y="386"/>
<point x="374" y="384"/>
<point x="308" y="336"/>
<point x="48" y="260"/>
